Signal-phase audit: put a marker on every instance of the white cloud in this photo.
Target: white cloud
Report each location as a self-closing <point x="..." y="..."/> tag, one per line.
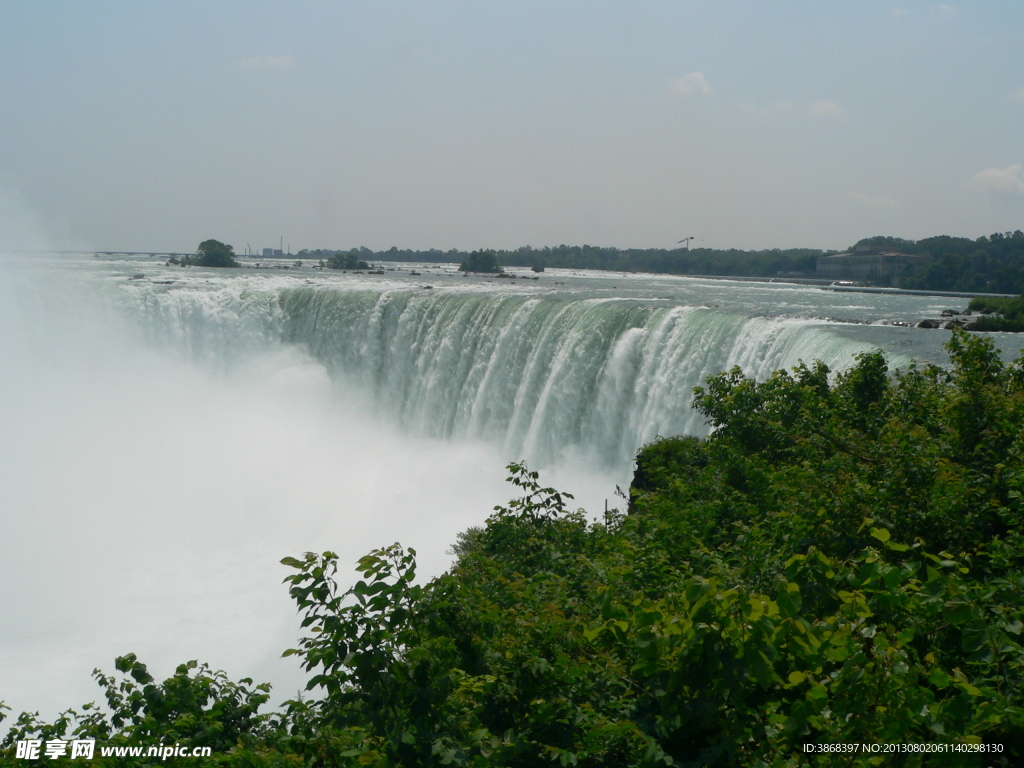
<point x="1017" y="96"/>
<point x="691" y="84"/>
<point x="826" y="109"/>
<point x="944" y="10"/>
<point x="1008" y="180"/>
<point x="873" y="201"/>
<point x="898" y="12"/>
<point x="266" y="62"/>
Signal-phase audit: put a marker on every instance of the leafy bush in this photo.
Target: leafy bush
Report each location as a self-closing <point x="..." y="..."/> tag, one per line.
<point x="1010" y="313"/>
<point x="195" y="707"/>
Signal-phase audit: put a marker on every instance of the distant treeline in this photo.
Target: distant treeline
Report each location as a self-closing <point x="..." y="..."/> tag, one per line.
<point x="678" y="261"/>
<point x="992" y="264"/>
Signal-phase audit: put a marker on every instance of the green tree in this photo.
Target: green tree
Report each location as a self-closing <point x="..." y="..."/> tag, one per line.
<point x="213" y="253"/>
<point x="346" y="260"/>
<point x="481" y="261"/>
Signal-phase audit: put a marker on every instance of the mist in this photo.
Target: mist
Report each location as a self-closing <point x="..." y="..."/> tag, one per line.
<point x="148" y="498"/>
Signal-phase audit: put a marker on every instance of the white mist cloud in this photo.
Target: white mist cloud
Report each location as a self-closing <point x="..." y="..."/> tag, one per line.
<point x="20" y="226"/>
<point x="266" y="62"/>
<point x="1017" y="96"/>
<point x="23" y="228"/>
<point x="691" y="84"/>
<point x="1007" y="181"/>
<point x="944" y="10"/>
<point x="168" y="490"/>
<point x="168" y="493"/>
<point x="897" y="12"/>
<point x="876" y="202"/>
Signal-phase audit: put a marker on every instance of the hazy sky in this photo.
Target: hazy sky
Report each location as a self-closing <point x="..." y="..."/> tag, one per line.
<point x="747" y="124"/>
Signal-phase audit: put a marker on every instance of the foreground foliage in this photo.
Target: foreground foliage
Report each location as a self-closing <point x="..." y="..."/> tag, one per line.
<point x="840" y="561"/>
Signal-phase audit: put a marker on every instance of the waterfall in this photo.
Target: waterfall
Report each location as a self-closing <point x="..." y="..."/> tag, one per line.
<point x="264" y="415"/>
<point x="543" y="377"/>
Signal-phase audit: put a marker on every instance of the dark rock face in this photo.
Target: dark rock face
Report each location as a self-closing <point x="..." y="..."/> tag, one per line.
<point x="930" y="324"/>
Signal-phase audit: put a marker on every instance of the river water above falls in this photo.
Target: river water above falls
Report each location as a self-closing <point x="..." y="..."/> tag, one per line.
<point x="168" y="437"/>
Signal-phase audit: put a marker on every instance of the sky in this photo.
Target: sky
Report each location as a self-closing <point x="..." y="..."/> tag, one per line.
<point x="466" y="125"/>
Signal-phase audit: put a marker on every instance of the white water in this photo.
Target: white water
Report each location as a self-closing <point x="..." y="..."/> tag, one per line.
<point x="541" y="376"/>
<point x="163" y="446"/>
<point x="147" y="496"/>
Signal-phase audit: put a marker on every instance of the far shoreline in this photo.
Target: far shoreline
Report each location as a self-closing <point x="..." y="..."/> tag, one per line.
<point x="811" y="282"/>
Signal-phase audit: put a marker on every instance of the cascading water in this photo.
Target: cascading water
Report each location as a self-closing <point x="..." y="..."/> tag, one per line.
<point x="267" y="413"/>
<point x="543" y="377"/>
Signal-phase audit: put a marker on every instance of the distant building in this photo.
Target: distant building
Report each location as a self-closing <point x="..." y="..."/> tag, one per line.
<point x="270" y="253"/>
<point x="864" y="266"/>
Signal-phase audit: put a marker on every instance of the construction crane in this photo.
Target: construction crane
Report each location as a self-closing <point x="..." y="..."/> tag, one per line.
<point x="687" y="241"/>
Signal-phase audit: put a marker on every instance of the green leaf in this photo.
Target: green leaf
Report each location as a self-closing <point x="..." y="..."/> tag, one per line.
<point x="788" y="600"/>
<point x="970" y="690"/>
<point x="956" y="612"/>
<point x="817" y="693"/>
<point x="592" y="634"/>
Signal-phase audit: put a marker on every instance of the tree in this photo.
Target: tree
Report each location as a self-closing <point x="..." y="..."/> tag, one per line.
<point x="481" y="261"/>
<point x="347" y="260"/>
<point x="213" y="253"/>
